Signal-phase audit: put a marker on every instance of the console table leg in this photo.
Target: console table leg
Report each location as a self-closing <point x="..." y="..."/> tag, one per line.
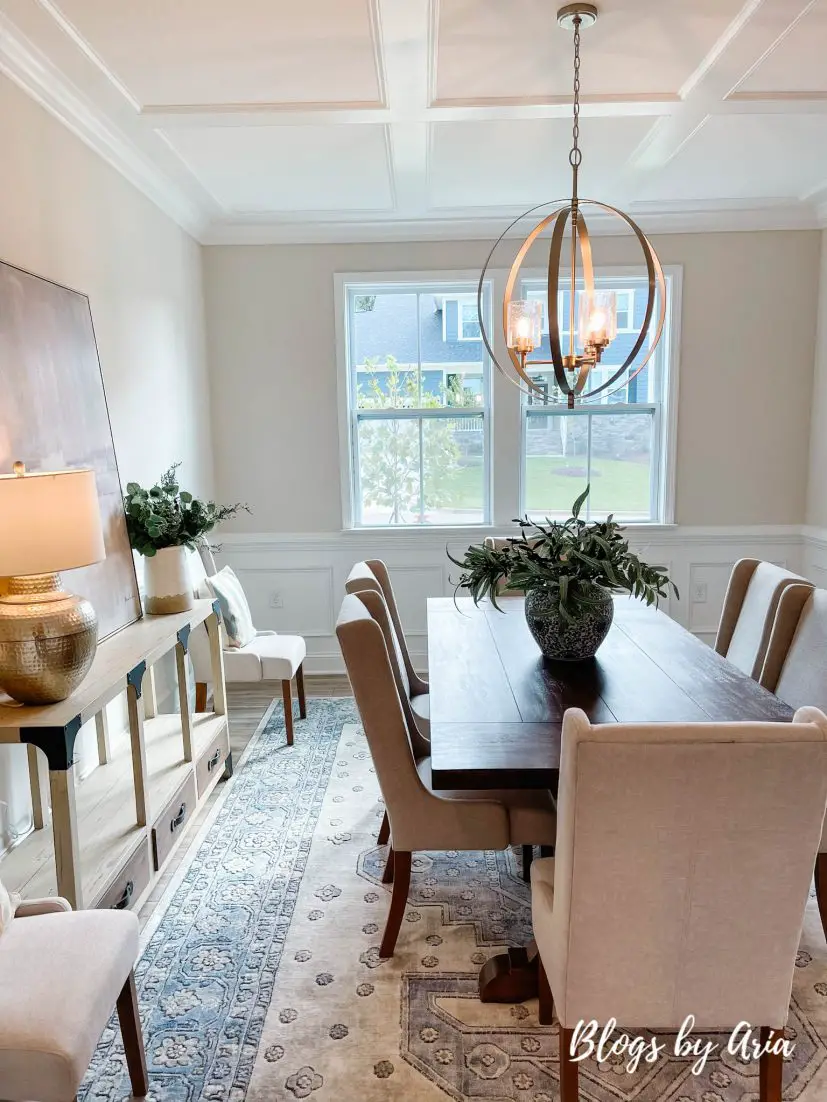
<point x="139" y="767"/>
<point x="36" y="787"/>
<point x="184" y="699"/>
<point x="149" y="694"/>
<point x="65" y="829"/>
<point x="102" y="730"/>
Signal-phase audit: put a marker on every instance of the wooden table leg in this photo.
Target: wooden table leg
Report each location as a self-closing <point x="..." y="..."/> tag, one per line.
<point x="510" y="977"/>
<point x="65" y="830"/>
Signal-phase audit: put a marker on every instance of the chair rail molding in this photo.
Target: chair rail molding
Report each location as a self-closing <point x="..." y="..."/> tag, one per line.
<point x="300" y="576"/>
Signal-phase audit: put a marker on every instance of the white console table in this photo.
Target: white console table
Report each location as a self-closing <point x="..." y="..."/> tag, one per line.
<point x="113" y="832"/>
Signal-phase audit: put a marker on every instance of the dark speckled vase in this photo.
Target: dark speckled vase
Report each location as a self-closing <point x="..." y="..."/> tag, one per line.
<point x="568" y="641"/>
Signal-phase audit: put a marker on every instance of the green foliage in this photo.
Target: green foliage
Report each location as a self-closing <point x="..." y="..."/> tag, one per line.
<point x="392" y="471"/>
<point x="167" y="516"/>
<point x="565" y="558"/>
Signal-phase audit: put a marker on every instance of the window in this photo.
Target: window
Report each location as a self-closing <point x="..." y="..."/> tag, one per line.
<point x="469" y="322"/>
<point x="618" y="443"/>
<point x="417" y="383"/>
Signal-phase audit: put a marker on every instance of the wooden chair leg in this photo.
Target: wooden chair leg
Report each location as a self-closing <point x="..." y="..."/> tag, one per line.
<point x="300" y="688"/>
<point x="399" y="900"/>
<point x="288" y="710"/>
<point x="770" y="1068"/>
<point x="568" y="1068"/>
<point x="821" y="888"/>
<point x="545" y="1011"/>
<point x="387" y="874"/>
<point x="200" y="696"/>
<point x="384" y="831"/>
<point x="528" y="857"/>
<point x="133" y="1041"/>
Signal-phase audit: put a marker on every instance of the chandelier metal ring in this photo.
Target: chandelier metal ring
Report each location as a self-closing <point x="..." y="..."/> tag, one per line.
<point x="656" y="297"/>
<point x="597" y="325"/>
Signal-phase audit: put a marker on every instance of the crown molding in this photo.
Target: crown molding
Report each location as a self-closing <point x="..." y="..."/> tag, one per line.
<point x="32" y="71"/>
<point x="653" y="219"/>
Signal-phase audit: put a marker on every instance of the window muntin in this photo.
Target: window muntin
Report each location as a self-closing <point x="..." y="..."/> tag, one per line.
<point x="616" y="443"/>
<point x="418" y="384"/>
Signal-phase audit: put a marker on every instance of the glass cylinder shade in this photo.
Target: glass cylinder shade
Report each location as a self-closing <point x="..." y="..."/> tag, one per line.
<point x="597" y="318"/>
<point x="525" y="323"/>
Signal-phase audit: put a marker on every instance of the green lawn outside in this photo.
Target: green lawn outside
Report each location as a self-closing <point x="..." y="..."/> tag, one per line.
<point x="618" y="486"/>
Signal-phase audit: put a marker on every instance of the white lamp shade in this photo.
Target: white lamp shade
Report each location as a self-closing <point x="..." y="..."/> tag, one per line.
<point x="49" y="521"/>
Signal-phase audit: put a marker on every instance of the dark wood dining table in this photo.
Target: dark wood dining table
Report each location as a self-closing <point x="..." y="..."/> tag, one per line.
<point x="497" y="707"/>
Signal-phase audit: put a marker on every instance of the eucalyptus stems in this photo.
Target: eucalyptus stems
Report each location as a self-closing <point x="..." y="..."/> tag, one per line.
<point x="167" y="516"/>
<point x="568" y="559"/>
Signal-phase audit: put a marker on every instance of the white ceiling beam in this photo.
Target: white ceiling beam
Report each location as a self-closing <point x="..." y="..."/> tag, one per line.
<point x="757" y="29"/>
<point x="169" y="116"/>
<point x="405" y="38"/>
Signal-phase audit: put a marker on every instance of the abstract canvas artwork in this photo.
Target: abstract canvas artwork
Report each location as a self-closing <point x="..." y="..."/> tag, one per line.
<point x="53" y="415"/>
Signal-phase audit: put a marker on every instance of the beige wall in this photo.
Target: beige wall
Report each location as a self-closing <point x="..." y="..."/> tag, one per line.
<point x="70" y="217"/>
<point x="817" y="493"/>
<point x="747" y="348"/>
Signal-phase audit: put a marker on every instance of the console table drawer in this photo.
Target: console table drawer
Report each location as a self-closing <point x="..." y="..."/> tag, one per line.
<point x="212" y="759"/>
<point x="130" y="883"/>
<point x="170" y="823"/>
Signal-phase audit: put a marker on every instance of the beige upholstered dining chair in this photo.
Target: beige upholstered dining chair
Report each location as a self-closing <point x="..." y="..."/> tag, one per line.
<point x="373" y="574"/>
<point x="659" y="903"/>
<point x="795" y="669"/>
<point x="421" y="819"/>
<point x="61" y="974"/>
<point x="268" y="656"/>
<point x="749" y="610"/>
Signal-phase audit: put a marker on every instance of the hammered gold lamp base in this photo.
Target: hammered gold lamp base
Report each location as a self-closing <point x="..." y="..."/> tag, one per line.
<point x="48" y="639"/>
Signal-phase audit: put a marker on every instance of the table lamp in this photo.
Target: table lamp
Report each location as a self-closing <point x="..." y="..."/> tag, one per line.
<point x="49" y="521"/>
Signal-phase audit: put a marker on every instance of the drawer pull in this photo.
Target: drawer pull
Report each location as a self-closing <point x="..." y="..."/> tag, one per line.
<point x="122" y="903"/>
<point x="179" y="818"/>
<point x="213" y="762"/>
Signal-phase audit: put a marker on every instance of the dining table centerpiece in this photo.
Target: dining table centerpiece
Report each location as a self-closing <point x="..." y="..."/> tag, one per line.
<point x="568" y="571"/>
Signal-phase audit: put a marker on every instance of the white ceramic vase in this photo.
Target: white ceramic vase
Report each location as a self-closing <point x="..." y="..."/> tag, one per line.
<point x="167" y="584"/>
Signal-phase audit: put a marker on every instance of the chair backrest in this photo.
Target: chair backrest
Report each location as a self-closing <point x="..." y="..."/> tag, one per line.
<point x="795" y="668"/>
<point x="371" y="676"/>
<point x="683" y="863"/>
<point x="750" y="605"/>
<point x="373" y="574"/>
<point x="375" y="604"/>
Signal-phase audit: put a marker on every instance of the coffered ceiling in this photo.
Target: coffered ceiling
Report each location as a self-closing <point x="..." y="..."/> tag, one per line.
<point x="262" y="120"/>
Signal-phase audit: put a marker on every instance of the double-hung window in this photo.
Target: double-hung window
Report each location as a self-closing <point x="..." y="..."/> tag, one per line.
<point x="618" y="442"/>
<point x="417" y="403"/>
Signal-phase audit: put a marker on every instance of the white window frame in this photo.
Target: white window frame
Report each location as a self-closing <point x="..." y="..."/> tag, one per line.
<point x="442" y="284"/>
<point x="665" y="409"/>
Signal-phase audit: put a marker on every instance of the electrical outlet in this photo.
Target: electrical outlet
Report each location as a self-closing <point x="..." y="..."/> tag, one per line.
<point x="276" y="600"/>
<point x="699" y="592"/>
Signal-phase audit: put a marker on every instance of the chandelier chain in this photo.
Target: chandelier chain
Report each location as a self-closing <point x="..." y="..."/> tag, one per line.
<point x="575" y="155"/>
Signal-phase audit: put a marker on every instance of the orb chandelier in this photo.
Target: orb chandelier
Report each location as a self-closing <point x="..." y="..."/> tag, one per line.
<point x="592" y="313"/>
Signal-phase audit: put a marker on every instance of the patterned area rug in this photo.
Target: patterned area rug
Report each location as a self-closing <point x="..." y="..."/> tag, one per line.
<point x="261" y="977"/>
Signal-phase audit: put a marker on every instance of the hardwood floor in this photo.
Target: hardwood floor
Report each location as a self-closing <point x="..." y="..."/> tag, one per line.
<point x="247" y="705"/>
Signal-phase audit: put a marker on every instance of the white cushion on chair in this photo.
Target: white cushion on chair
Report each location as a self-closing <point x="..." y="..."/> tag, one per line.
<point x="235" y="611"/>
<point x="56" y="996"/>
<point x="265" y="658"/>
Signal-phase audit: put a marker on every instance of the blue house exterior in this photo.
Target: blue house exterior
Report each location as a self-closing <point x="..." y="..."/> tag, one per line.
<point x="441" y="332"/>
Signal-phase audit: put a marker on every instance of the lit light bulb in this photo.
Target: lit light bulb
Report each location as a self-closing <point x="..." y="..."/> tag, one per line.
<point x="524" y="327"/>
<point x="597" y="322"/>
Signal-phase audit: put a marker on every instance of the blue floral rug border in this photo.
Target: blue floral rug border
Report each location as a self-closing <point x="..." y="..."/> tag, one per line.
<point x="206" y="975"/>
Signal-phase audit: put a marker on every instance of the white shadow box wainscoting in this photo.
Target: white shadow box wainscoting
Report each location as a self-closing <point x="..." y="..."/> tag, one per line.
<point x="814" y="556"/>
<point x="295" y="582"/>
